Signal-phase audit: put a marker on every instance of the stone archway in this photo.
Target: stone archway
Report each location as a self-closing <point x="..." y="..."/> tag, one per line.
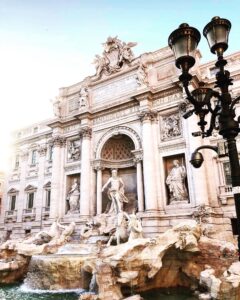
<point x="119" y="149"/>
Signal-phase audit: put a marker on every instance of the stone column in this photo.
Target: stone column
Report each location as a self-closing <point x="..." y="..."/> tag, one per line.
<point x="156" y="129"/>
<point x="39" y="203"/>
<point x="99" y="189"/>
<point x="56" y="186"/>
<point x="138" y="163"/>
<point x="150" y="184"/>
<point x="85" y="186"/>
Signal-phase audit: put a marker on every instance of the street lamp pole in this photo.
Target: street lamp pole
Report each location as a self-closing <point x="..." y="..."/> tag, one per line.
<point x="183" y="41"/>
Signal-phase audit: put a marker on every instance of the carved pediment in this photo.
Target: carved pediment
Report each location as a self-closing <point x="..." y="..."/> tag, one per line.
<point x="47" y="185"/>
<point x="30" y="188"/>
<point x="13" y="191"/>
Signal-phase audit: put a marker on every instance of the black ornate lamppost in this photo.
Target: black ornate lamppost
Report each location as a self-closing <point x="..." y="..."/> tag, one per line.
<point x="183" y="41"/>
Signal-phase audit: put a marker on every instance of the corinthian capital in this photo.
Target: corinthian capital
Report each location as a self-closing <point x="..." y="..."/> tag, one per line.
<point x="58" y="141"/>
<point x="85" y="132"/>
<point x="138" y="156"/>
<point x="148" y="115"/>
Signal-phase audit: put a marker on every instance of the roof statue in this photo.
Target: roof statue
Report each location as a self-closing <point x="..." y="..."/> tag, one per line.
<point x="116" y="54"/>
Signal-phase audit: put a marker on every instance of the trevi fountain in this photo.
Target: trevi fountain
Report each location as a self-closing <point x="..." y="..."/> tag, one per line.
<point x="102" y="203"/>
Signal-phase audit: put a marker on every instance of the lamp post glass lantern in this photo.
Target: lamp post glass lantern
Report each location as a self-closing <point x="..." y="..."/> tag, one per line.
<point x="205" y="100"/>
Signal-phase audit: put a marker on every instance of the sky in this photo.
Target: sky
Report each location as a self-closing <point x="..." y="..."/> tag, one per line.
<point x="48" y="44"/>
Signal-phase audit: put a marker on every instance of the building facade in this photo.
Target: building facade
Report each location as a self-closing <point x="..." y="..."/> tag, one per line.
<point x="128" y="117"/>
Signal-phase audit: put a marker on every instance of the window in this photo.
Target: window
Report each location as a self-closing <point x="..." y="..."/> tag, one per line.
<point x="35" y="129"/>
<point x="12" y="202"/>
<point x="30" y="200"/>
<point x="50" y="153"/>
<point x="227" y="173"/>
<point x="34" y="157"/>
<point x="16" y="162"/>
<point x="48" y="198"/>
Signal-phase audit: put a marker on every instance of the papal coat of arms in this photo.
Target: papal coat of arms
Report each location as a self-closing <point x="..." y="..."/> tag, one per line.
<point x="116" y="53"/>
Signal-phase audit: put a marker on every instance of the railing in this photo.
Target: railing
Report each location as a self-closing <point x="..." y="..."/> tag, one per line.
<point x="45" y="212"/>
<point x="28" y="211"/>
<point x="29" y="214"/>
<point x="10" y="216"/>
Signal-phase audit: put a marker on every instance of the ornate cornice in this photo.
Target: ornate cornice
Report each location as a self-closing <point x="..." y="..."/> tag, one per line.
<point x="85" y="132"/>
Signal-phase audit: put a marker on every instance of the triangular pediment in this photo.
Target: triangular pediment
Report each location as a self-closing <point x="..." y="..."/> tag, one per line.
<point x="13" y="191"/>
<point x="29" y="188"/>
<point x="47" y="185"/>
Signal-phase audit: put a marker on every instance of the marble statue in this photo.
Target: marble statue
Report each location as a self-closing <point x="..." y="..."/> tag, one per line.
<point x="57" y="107"/>
<point x="45" y="236"/>
<point x="141" y="77"/>
<point x="176" y="182"/>
<point x="73" y="197"/>
<point x="115" y="193"/>
<point x="83" y="97"/>
<point x="134" y="227"/>
<point x="121" y="232"/>
<point x="100" y="64"/>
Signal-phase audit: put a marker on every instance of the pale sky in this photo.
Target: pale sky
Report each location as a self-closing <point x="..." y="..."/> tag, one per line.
<point x="48" y="44"/>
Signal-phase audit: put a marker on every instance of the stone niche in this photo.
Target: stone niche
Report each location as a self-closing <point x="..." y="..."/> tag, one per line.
<point x="69" y="185"/>
<point x="176" y="182"/>
<point x="128" y="176"/>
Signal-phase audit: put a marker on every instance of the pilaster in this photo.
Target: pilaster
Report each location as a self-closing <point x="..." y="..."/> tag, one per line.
<point x="57" y="192"/>
<point x="85" y="186"/>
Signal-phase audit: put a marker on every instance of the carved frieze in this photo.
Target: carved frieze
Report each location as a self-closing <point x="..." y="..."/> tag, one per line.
<point x="168" y="97"/>
<point x="170" y="127"/>
<point x="74" y="150"/>
<point x="116" y="115"/>
<point x="72" y="167"/>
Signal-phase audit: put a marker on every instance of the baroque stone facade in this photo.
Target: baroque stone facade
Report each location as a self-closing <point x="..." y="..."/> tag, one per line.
<point x="126" y="117"/>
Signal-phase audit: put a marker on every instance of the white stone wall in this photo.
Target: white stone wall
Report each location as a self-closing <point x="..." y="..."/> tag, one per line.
<point x="119" y="104"/>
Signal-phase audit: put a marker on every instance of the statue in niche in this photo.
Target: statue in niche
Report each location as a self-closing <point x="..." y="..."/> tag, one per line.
<point x="171" y="127"/>
<point x="83" y="97"/>
<point x="73" y="198"/>
<point x="176" y="182"/>
<point x="115" y="193"/>
<point x="74" y="150"/>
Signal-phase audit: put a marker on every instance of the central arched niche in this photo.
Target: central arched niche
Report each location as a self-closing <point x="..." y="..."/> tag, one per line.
<point x="117" y="154"/>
